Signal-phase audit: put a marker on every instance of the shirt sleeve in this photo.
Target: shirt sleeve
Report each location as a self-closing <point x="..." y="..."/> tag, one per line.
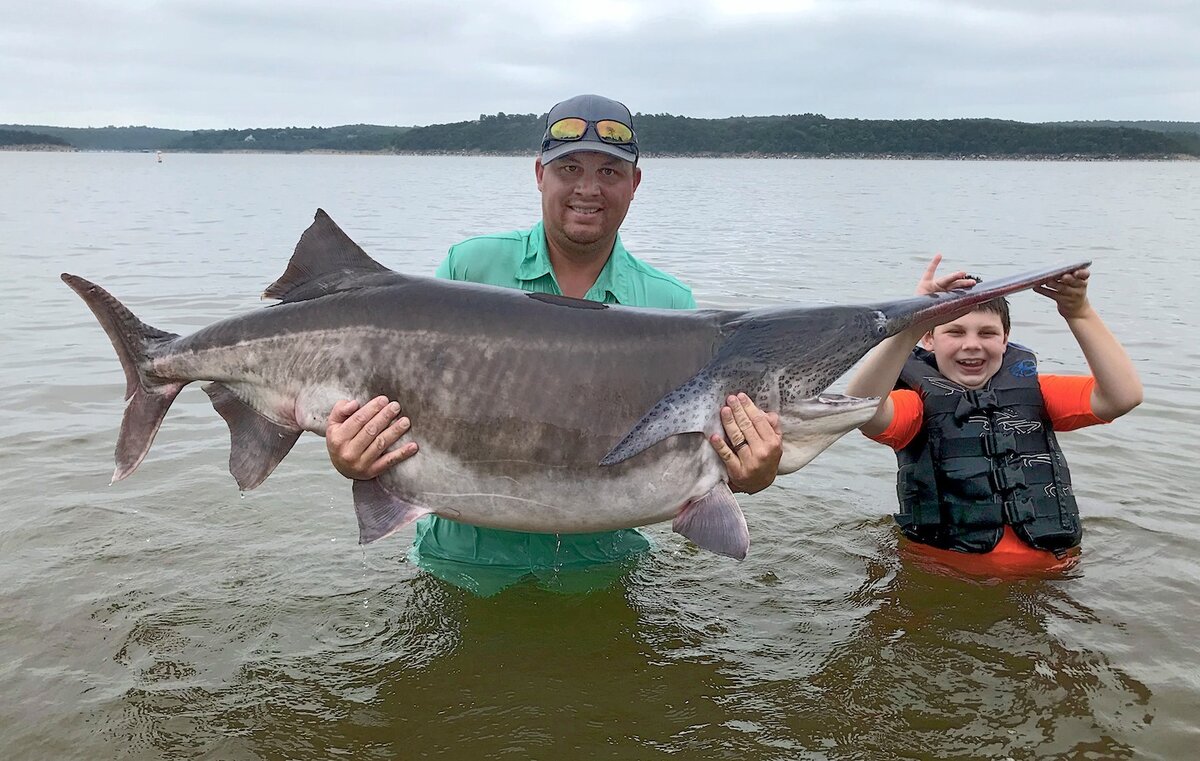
<point x="445" y="270"/>
<point x="908" y="412"/>
<point x="1069" y="401"/>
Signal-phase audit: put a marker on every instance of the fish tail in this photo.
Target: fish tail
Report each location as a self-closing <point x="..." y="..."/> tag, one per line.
<point x="147" y="397"/>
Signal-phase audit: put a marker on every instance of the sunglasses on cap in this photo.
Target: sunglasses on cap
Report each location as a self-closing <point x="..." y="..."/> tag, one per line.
<point x="574" y="128"/>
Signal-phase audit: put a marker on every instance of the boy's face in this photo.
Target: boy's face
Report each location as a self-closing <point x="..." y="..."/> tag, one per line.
<point x="970" y="350"/>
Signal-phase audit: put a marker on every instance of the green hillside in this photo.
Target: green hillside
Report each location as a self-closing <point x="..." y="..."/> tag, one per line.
<point x="17" y="138"/>
<point x="667" y="134"/>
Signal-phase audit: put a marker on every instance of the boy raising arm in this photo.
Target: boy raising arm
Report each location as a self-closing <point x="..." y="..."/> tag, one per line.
<point x="973" y="423"/>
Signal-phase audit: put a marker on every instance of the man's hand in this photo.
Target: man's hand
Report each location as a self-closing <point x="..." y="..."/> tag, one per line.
<point x="755" y="445"/>
<point x="358" y="440"/>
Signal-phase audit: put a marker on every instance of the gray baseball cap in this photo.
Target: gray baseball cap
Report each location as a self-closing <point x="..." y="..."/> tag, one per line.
<point x="592" y="109"/>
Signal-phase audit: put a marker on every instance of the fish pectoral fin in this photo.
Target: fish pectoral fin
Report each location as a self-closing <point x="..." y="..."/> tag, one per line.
<point x="715" y="522"/>
<point x="256" y="444"/>
<point x="381" y="513"/>
<point x="687" y="409"/>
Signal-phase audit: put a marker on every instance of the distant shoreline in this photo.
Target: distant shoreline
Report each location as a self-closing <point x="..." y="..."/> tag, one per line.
<point x="1077" y="157"/>
<point x="40" y="147"/>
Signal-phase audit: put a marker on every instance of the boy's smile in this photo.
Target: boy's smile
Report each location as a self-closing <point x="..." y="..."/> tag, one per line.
<point x="969" y="350"/>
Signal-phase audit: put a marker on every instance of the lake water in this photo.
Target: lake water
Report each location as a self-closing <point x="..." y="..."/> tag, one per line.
<point x="167" y="616"/>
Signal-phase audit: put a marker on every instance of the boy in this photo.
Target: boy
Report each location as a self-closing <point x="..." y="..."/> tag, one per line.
<point x="973" y="423"/>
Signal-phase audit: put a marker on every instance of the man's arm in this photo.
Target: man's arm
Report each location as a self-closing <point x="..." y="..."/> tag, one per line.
<point x="877" y="374"/>
<point x="1118" y="388"/>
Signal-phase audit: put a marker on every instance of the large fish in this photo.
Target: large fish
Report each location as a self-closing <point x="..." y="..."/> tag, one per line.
<point x="533" y="412"/>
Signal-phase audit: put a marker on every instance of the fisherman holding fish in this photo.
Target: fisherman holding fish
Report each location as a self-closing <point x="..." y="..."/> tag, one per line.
<point x="587" y="174"/>
<point x="983" y="485"/>
<point x="537" y="412"/>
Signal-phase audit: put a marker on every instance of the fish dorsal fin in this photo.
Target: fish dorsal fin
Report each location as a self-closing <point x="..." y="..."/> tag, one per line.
<point x="325" y="261"/>
<point x="567" y="301"/>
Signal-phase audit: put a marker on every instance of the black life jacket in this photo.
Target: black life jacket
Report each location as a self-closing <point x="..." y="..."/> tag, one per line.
<point x="984" y="458"/>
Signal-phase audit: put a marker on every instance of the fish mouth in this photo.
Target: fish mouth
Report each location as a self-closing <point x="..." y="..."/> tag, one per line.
<point x="839" y="403"/>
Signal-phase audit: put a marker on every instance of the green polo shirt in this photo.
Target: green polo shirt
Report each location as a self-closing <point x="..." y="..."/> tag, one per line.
<point x="521" y="260"/>
<point x="486" y="560"/>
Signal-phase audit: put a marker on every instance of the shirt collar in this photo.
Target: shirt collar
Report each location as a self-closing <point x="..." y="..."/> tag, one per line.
<point x="613" y="281"/>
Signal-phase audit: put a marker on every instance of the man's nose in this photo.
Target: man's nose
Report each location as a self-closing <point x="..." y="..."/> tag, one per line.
<point x="588" y="183"/>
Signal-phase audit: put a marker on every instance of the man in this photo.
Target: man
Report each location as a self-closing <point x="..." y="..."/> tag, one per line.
<point x="587" y="174"/>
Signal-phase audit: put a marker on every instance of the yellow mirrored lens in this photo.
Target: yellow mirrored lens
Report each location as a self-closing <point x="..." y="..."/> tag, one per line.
<point x="613" y="132"/>
<point x="568" y="129"/>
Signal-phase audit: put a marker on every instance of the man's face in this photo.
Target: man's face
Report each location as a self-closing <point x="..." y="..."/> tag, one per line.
<point x="969" y="350"/>
<point x="585" y="197"/>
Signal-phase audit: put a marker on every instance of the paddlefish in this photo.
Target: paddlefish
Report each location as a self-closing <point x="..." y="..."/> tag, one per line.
<point x="533" y="412"/>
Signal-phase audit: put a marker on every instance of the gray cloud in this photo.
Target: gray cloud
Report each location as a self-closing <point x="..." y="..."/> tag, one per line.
<point x="221" y="63"/>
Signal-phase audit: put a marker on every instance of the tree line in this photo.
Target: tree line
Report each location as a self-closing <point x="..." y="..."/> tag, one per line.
<point x="816" y="135"/>
<point x="670" y="135"/>
<point x="11" y="137"/>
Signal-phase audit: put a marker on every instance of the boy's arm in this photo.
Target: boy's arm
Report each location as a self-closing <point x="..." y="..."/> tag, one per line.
<point x="1117" y="389"/>
<point x="877" y="374"/>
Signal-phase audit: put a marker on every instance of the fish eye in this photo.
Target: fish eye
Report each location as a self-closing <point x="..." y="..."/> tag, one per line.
<point x="881" y="324"/>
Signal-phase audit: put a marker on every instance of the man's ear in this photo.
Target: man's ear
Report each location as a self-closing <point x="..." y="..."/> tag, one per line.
<point x="927" y="341"/>
<point x="538" y="169"/>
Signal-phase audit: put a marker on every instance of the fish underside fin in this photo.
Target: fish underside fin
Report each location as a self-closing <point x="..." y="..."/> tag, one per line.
<point x="327" y="261"/>
<point x="715" y="522"/>
<point x="256" y="444"/>
<point x="381" y="513"/>
<point x="147" y="398"/>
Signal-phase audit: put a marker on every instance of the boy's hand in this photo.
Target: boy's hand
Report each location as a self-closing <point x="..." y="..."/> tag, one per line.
<point x="1070" y="293"/>
<point x="931" y="283"/>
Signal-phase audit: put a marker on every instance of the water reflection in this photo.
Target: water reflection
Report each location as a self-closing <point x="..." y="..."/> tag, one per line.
<point x="946" y="667"/>
<point x="931" y="663"/>
<point x="166" y="617"/>
<point x="529" y="673"/>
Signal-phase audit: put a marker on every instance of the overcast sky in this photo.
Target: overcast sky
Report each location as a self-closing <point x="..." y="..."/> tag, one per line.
<point x="200" y="64"/>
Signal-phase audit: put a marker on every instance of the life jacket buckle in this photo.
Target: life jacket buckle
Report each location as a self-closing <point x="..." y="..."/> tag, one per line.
<point x="1007" y="478"/>
<point x="1018" y="511"/>
<point x="999" y="444"/>
<point x="976" y="400"/>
